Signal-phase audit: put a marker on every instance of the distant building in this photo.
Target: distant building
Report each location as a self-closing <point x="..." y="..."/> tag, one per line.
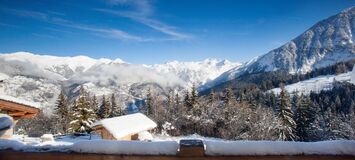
<point x="124" y="127"/>
<point x="12" y="109"/>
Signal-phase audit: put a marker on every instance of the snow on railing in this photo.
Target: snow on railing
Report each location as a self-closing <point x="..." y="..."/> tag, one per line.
<point x="210" y="147"/>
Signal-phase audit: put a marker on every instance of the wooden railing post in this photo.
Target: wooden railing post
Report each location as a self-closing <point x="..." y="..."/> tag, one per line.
<point x="191" y="148"/>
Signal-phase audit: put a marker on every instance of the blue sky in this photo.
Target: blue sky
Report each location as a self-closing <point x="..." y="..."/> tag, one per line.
<point x="156" y="31"/>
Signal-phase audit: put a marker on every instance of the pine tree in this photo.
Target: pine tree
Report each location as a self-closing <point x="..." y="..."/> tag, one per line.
<point x="295" y="100"/>
<point x="170" y="104"/>
<point x="187" y="102"/>
<point x="115" y="110"/>
<point x="304" y="118"/>
<point x="242" y="93"/>
<point x="83" y="115"/>
<point x="212" y="98"/>
<point x="94" y="105"/>
<point x="194" y="96"/>
<point x="337" y="104"/>
<point x="196" y="110"/>
<point x="177" y="104"/>
<point x="287" y="128"/>
<point x="104" y="109"/>
<point x="229" y="97"/>
<point x="62" y="113"/>
<point x="149" y="103"/>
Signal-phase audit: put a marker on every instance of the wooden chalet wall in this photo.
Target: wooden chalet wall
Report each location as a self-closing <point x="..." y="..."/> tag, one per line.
<point x="105" y="134"/>
<point x="16" y="111"/>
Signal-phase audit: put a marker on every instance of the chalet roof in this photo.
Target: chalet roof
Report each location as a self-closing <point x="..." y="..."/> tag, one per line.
<point x="126" y="125"/>
<point x="18" y="108"/>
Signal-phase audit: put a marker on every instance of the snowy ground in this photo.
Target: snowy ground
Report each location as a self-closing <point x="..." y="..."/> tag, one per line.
<point x="164" y="145"/>
<point x="315" y="84"/>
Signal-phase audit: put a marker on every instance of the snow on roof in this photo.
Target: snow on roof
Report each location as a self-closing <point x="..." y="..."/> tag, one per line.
<point x="19" y="101"/>
<point x="126" y="125"/>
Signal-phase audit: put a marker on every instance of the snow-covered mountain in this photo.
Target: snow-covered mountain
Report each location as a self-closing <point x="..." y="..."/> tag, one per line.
<point x="39" y="78"/>
<point x="327" y="42"/>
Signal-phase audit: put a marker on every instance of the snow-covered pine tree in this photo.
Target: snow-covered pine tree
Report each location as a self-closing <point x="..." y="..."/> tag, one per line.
<point x="288" y="125"/>
<point x="83" y="115"/>
<point x="211" y="97"/>
<point x="196" y="110"/>
<point x="94" y="105"/>
<point x="149" y="103"/>
<point x="104" y="109"/>
<point x="177" y="100"/>
<point x="170" y="102"/>
<point x="304" y="118"/>
<point x="61" y="113"/>
<point x="229" y="97"/>
<point x="211" y="103"/>
<point x="295" y="100"/>
<point x="194" y="96"/>
<point x="187" y="102"/>
<point x="171" y="107"/>
<point x="115" y="109"/>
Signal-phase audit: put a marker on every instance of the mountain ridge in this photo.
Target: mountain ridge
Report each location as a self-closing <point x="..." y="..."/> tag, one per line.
<point x="40" y="78"/>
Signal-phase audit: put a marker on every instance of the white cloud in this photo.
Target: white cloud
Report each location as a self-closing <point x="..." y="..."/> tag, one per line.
<point x="142" y="13"/>
<point x="26" y="13"/>
<point x="105" y="32"/>
<point x="114" y="74"/>
<point x="112" y="33"/>
<point x="143" y="7"/>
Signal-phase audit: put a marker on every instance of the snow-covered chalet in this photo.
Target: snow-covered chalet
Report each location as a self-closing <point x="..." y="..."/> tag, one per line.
<point x="127" y="127"/>
<point x="12" y="109"/>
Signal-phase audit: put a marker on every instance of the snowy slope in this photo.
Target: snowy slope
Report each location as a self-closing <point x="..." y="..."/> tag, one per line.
<point x="327" y="42"/>
<point x="315" y="84"/>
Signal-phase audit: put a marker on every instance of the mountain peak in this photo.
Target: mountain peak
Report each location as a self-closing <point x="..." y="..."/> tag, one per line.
<point x="327" y="42"/>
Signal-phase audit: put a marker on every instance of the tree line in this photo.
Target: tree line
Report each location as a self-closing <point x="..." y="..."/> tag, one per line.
<point x="248" y="114"/>
<point x="255" y="115"/>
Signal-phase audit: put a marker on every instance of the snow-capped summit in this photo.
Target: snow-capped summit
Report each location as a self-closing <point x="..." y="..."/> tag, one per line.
<point x="327" y="42"/>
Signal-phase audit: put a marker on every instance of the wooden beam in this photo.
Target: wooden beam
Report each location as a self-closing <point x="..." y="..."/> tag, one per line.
<point x="18" y="113"/>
